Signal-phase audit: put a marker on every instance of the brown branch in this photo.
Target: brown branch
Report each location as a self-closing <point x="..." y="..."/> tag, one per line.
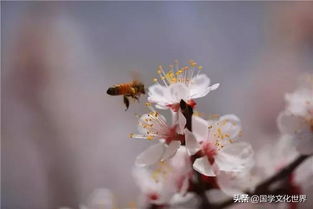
<point x="283" y="173"/>
<point x="187" y="111"/>
<point x="264" y="186"/>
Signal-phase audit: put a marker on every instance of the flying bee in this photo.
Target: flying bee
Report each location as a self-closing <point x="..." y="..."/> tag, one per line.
<point x="129" y="90"/>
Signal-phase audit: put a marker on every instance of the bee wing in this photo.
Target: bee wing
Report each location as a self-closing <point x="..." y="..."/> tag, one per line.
<point x="136" y="76"/>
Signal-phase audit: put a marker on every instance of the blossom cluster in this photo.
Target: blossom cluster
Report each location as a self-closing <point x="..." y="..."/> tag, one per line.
<point x="186" y="146"/>
<point x="188" y="149"/>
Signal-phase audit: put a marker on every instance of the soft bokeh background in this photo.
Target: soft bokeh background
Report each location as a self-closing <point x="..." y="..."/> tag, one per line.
<point x="63" y="137"/>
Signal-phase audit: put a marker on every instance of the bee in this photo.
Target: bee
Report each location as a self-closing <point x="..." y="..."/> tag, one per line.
<point x="129" y="90"/>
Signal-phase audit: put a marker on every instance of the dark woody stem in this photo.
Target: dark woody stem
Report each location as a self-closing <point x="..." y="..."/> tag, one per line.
<point x="200" y="189"/>
<point x="187" y="112"/>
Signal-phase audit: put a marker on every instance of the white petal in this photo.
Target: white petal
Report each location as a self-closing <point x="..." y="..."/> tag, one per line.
<point x="200" y="128"/>
<point x="299" y="130"/>
<point x="300" y="101"/>
<point x="235" y="157"/>
<point x="157" y="90"/>
<point x="178" y="91"/>
<point x="198" y="84"/>
<point x="192" y="144"/>
<point x="290" y="124"/>
<point x="158" y="94"/>
<point x="171" y="150"/>
<point x="214" y="86"/>
<point x="181" y="122"/>
<point x="232" y="183"/>
<point x="159" y="106"/>
<point x="181" y="162"/>
<point x="304" y="174"/>
<point x="204" y="91"/>
<point x="151" y="155"/>
<point x="203" y="166"/>
<point x="304" y="142"/>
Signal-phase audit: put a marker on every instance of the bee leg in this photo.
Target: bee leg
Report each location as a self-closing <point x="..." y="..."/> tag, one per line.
<point x="126" y="102"/>
<point x="136" y="98"/>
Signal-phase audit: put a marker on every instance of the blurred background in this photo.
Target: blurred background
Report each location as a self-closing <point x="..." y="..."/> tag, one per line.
<point x="63" y="137"/>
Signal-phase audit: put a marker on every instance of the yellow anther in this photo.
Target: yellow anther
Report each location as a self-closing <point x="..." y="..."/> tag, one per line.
<point x="219" y="132"/>
<point x="200" y="67"/>
<point x="131" y="135"/>
<point x="193" y="64"/>
<point x="154" y="114"/>
<point x="155" y="80"/>
<point x="148" y="104"/>
<point x="149" y="137"/>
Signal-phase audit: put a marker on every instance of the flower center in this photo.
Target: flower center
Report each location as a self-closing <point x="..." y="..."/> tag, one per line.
<point x="175" y="107"/>
<point x="153" y="196"/>
<point x="171" y="135"/>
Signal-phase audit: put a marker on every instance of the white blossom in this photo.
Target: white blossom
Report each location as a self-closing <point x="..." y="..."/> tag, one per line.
<point x="154" y="126"/>
<point x="179" y="84"/>
<point x="297" y="119"/>
<point x="216" y="142"/>
<point x="159" y="183"/>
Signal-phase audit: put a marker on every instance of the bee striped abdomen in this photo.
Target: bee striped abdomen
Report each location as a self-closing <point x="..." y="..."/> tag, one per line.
<point x="113" y="91"/>
<point x="120" y="89"/>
